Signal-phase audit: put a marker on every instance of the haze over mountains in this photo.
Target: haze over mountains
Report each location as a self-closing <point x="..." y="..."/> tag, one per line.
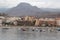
<point x="3" y="9"/>
<point x="24" y="9"/>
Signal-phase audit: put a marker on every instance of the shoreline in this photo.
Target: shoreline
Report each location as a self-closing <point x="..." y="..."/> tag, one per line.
<point x="31" y="26"/>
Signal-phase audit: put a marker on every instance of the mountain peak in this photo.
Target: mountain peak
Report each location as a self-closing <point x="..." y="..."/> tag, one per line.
<point x="24" y="9"/>
<point x="23" y="4"/>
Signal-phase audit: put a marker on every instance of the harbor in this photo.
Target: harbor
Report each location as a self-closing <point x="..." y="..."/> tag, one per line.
<point x="33" y="29"/>
<point x="18" y="34"/>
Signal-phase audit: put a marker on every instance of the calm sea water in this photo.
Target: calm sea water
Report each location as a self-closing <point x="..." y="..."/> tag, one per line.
<point x="16" y="34"/>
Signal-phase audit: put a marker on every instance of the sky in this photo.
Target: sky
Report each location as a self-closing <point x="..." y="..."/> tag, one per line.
<point x="38" y="3"/>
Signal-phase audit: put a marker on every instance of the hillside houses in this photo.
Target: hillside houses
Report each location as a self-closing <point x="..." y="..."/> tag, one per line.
<point x="29" y="21"/>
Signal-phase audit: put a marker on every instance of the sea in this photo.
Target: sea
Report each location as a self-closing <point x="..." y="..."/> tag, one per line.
<point x="17" y="34"/>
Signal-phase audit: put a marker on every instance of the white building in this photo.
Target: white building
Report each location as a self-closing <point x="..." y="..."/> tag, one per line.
<point x="1" y="20"/>
<point x="58" y="21"/>
<point x="37" y="22"/>
<point x="13" y="18"/>
<point x="29" y="18"/>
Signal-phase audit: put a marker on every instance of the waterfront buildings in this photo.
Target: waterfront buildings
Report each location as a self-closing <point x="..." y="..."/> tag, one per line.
<point x="29" y="18"/>
<point x="58" y="21"/>
<point x="37" y="23"/>
<point x="2" y="18"/>
<point x="31" y="21"/>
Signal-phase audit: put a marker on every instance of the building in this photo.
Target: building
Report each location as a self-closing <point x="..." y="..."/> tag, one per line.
<point x="26" y="18"/>
<point x="58" y="21"/>
<point x="29" y="18"/>
<point x="37" y="23"/>
<point x="47" y="21"/>
<point x="13" y="18"/>
<point x="51" y="22"/>
<point x="1" y="20"/>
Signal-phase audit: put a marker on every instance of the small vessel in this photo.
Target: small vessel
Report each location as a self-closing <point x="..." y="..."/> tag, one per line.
<point x="33" y="30"/>
<point x="23" y="29"/>
<point x="41" y="30"/>
<point x="5" y="28"/>
<point x="58" y="29"/>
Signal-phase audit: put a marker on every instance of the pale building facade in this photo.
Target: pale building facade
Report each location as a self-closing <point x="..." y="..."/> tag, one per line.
<point x="37" y="23"/>
<point x="29" y="18"/>
<point x="58" y="21"/>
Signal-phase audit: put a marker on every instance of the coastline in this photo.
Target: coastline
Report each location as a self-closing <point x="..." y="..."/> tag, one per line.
<point x="33" y="28"/>
<point x="27" y="27"/>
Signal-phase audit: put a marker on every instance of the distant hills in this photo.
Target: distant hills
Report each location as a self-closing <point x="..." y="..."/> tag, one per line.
<point x="3" y="9"/>
<point x="24" y="9"/>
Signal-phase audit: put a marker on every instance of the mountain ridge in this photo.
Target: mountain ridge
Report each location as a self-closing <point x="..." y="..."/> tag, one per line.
<point x="24" y="9"/>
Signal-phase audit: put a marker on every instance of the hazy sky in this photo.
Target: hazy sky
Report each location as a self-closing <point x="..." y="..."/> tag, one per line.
<point x="38" y="3"/>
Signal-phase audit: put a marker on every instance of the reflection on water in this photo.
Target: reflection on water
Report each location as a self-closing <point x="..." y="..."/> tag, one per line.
<point x="15" y="34"/>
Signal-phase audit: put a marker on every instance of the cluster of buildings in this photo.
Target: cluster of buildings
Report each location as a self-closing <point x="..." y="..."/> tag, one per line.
<point x="44" y="21"/>
<point x="29" y="21"/>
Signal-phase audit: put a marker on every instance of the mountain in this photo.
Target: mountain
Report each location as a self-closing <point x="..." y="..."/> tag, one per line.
<point x="24" y="9"/>
<point x="3" y="9"/>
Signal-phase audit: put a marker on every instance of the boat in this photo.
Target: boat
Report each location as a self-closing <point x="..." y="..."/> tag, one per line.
<point x="58" y="29"/>
<point x="5" y="28"/>
<point x="23" y="29"/>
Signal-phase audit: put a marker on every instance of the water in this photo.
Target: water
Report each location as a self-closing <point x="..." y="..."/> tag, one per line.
<point x="15" y="34"/>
